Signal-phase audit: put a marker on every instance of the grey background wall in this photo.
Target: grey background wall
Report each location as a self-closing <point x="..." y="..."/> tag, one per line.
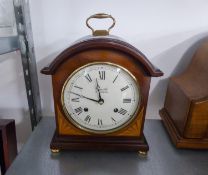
<point x="166" y="31"/>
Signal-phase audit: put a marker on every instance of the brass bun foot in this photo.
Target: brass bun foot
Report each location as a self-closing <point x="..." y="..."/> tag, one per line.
<point x="142" y="153"/>
<point x="55" y="150"/>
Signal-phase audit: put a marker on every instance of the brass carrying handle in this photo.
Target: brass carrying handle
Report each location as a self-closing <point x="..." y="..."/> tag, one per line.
<point x="100" y="16"/>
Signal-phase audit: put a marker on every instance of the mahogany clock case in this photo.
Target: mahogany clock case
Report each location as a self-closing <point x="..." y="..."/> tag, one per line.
<point x="100" y="49"/>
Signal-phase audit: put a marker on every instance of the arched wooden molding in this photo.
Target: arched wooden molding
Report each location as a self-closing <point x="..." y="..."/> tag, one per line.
<point x="103" y="43"/>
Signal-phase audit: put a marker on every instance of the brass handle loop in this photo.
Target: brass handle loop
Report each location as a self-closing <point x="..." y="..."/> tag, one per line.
<point x="100" y="16"/>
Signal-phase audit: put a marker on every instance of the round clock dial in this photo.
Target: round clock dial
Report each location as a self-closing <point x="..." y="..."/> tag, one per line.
<point x="101" y="97"/>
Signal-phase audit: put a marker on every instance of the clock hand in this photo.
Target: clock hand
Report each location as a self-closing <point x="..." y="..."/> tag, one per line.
<point x="82" y="96"/>
<point x="98" y="89"/>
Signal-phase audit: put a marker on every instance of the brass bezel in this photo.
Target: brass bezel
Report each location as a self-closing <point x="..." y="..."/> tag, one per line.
<point x="100" y="131"/>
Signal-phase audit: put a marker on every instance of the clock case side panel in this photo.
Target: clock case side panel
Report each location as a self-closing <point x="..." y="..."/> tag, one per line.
<point x="101" y="55"/>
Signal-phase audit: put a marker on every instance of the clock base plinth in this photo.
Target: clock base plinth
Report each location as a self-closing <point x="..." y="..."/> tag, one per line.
<point x="111" y="143"/>
<point x="178" y="140"/>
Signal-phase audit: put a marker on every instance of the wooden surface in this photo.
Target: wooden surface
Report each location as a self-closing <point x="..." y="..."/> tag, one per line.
<point x="112" y="42"/>
<point x="108" y="50"/>
<point x="101" y="143"/>
<point x="197" y="123"/>
<point x="99" y="55"/>
<point x="177" y="138"/>
<point x="163" y="158"/>
<point x="186" y="102"/>
<point x="8" y="143"/>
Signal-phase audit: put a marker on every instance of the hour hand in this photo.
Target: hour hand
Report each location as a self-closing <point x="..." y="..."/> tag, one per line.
<point x="82" y="96"/>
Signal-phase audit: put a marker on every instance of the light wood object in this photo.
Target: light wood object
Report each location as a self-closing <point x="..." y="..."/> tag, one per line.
<point x="185" y="112"/>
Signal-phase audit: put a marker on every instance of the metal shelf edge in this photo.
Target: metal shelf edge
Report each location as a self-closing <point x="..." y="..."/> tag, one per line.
<point x="8" y="44"/>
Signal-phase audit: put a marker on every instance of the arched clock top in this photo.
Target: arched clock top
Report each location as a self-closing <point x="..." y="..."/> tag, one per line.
<point x="102" y="43"/>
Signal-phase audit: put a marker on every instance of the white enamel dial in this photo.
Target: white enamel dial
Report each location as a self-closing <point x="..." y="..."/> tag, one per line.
<point x="100" y="97"/>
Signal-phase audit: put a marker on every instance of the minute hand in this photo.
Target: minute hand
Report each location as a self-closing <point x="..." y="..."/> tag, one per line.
<point x="82" y="96"/>
<point x="98" y="89"/>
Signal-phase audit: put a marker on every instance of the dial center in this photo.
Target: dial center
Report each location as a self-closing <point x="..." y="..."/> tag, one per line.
<point x="101" y="101"/>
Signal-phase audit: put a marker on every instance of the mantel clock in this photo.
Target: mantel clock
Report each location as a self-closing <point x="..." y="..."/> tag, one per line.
<point x="100" y="88"/>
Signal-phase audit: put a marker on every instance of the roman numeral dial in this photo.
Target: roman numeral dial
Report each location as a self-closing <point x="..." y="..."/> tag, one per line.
<point x="127" y="100"/>
<point x="88" y="78"/>
<point x="122" y="111"/>
<point x="100" y="122"/>
<point x="87" y="119"/>
<point x="78" y="110"/>
<point x="125" y="88"/>
<point x="75" y="99"/>
<point x="102" y="75"/>
<point x="101" y="97"/>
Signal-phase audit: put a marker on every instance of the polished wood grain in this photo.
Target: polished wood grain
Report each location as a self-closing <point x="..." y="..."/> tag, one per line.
<point x="100" y="50"/>
<point x="186" y="103"/>
<point x="97" y="43"/>
<point x="197" y="123"/>
<point x="178" y="140"/>
<point x="90" y="56"/>
<point x="102" y="143"/>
